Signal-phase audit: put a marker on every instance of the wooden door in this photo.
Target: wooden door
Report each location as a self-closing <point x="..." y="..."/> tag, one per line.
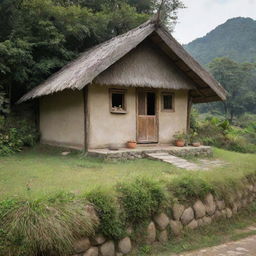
<point x="147" y="117"/>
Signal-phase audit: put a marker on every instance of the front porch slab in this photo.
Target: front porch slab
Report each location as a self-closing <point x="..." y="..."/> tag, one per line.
<point x="142" y="151"/>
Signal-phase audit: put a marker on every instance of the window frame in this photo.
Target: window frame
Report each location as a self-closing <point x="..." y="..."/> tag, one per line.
<point x="117" y="91"/>
<point x="173" y="102"/>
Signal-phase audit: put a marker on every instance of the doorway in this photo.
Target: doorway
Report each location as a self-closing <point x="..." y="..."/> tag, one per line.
<point x="147" y="129"/>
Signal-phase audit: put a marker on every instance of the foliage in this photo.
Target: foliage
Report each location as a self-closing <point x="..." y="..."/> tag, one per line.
<point x="168" y="11"/>
<point x="144" y="250"/>
<point x="219" y="132"/>
<point x="189" y="186"/>
<point x="15" y="134"/>
<point x="227" y="60"/>
<point x="223" y="184"/>
<point x="140" y="199"/>
<point x="194" y="137"/>
<point x="180" y="136"/>
<point x="38" y="37"/>
<point x="110" y="223"/>
<point x="238" y="46"/>
<point x="239" y="81"/>
<point x="4" y="104"/>
<point x="40" y="227"/>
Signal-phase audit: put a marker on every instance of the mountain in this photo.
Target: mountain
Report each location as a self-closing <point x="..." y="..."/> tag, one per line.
<point x="236" y="39"/>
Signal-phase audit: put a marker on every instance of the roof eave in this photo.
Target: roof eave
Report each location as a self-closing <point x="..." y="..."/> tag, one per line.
<point x="192" y="64"/>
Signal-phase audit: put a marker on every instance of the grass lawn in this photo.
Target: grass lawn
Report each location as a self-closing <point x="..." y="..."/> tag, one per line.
<point x="44" y="170"/>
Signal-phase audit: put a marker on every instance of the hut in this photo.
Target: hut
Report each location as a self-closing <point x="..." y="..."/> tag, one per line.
<point x="137" y="86"/>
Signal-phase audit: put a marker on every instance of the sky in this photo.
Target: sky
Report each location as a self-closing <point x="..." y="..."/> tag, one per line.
<point x="202" y="16"/>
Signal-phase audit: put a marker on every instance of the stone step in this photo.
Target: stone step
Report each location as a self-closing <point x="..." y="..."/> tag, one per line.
<point x="174" y="160"/>
<point x="157" y="154"/>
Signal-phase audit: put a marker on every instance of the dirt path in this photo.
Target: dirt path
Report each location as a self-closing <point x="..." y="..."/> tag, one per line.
<point x="244" y="247"/>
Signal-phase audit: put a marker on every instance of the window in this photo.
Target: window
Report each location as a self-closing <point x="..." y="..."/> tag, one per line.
<point x="117" y="101"/>
<point x="168" y="102"/>
<point x="151" y="104"/>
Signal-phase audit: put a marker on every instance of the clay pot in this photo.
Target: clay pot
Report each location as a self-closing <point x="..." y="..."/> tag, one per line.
<point x="180" y="143"/>
<point x="196" y="144"/>
<point x="131" y="144"/>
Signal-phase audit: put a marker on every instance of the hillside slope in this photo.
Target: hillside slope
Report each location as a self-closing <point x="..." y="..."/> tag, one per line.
<point x="236" y="39"/>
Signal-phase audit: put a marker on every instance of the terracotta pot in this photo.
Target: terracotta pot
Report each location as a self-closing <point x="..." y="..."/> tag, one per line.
<point x="180" y="143"/>
<point x="131" y="144"/>
<point x="196" y="144"/>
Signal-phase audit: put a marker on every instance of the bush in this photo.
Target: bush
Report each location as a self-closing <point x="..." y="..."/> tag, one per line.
<point x="140" y="199"/>
<point x="15" y="134"/>
<point x="219" y="133"/>
<point x="42" y="227"/>
<point x="189" y="186"/>
<point x="239" y="144"/>
<point x="110" y="223"/>
<point x="4" y="103"/>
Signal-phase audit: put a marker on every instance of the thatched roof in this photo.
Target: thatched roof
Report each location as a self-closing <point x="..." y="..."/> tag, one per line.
<point x="145" y="66"/>
<point x="83" y="70"/>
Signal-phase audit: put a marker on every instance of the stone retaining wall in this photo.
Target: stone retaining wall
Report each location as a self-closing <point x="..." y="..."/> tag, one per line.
<point x="202" y="151"/>
<point x="164" y="226"/>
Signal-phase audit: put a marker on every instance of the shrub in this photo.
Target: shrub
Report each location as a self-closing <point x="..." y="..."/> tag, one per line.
<point x="43" y="227"/>
<point x="110" y="222"/>
<point x="4" y="103"/>
<point x="239" y="144"/>
<point x="219" y="133"/>
<point x="15" y="134"/>
<point x="189" y="186"/>
<point x="140" y="199"/>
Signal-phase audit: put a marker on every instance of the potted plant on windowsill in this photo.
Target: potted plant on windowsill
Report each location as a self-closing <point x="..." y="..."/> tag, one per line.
<point x="180" y="139"/>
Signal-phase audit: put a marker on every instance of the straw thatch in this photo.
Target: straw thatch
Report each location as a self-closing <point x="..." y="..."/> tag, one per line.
<point x="145" y="67"/>
<point x="83" y="70"/>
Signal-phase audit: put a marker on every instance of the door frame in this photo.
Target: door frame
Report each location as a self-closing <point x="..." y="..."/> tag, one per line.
<point x="156" y="91"/>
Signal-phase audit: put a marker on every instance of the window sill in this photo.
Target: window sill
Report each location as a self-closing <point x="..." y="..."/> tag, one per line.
<point x="119" y="112"/>
<point x="168" y="110"/>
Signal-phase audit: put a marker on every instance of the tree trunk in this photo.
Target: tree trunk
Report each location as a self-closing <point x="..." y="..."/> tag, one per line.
<point x="231" y="116"/>
<point x="225" y="109"/>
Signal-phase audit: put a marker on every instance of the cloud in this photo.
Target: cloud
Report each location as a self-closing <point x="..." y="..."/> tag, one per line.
<point x="201" y="16"/>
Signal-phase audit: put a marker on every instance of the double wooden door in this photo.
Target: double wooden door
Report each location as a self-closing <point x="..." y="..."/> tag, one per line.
<point x="147" y="128"/>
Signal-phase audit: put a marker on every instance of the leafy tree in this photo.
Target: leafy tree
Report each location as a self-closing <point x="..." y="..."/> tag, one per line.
<point x="239" y="80"/>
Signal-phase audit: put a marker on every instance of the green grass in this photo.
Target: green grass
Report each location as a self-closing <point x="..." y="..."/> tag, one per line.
<point x="43" y="170"/>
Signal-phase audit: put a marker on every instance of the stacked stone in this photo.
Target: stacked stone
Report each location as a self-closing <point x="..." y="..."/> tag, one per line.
<point x="200" y="213"/>
<point x="99" y="245"/>
<point x="162" y="226"/>
<point x="203" y="151"/>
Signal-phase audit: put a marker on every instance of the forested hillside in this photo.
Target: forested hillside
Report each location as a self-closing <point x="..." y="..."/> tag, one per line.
<point x="235" y="39"/>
